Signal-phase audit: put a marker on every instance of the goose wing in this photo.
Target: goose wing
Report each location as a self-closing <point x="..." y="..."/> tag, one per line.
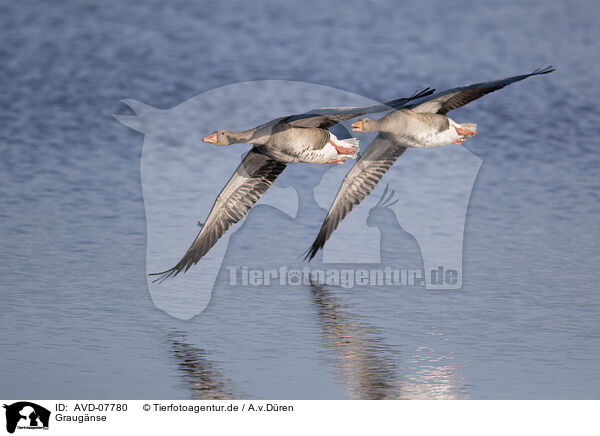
<point x="358" y="184"/>
<point x="443" y="102"/>
<point x="251" y="180"/>
<point x="326" y="118"/>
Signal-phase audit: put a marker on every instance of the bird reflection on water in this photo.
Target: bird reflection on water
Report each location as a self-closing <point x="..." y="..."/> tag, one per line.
<point x="367" y="363"/>
<point x="360" y="351"/>
<point x="202" y="377"/>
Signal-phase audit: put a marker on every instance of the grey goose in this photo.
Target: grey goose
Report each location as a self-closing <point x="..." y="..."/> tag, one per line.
<point x="423" y="123"/>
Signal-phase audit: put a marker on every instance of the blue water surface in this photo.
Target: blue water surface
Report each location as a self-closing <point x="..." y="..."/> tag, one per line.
<point x="77" y="320"/>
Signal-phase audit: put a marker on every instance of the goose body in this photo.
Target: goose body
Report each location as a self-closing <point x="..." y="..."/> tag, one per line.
<point x="423" y="130"/>
<point x="305" y="144"/>
<point x="420" y="124"/>
<point x="328" y="152"/>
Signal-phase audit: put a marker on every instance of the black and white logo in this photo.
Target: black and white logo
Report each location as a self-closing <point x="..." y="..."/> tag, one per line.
<point x="26" y="415"/>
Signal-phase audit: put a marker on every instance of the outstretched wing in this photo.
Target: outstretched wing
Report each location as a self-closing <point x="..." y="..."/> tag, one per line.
<point x="251" y="180"/>
<point x="443" y="102"/>
<point x="358" y="184"/>
<point x="328" y="117"/>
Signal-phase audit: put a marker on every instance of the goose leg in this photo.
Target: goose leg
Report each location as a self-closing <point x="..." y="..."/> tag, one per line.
<point x="465" y="132"/>
<point x="459" y="141"/>
<point x="343" y="150"/>
<point x="337" y="161"/>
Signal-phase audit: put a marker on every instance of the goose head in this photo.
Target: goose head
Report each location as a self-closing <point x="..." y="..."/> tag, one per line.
<point x="220" y="137"/>
<point x="364" y="125"/>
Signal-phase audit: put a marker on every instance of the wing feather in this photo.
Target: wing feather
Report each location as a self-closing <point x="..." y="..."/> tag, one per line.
<point x="251" y="180"/>
<point x="358" y="184"/>
<point x="445" y="101"/>
<point x="328" y="117"/>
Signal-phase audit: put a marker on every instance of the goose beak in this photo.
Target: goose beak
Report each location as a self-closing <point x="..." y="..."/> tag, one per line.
<point x="212" y="139"/>
<point x="357" y="127"/>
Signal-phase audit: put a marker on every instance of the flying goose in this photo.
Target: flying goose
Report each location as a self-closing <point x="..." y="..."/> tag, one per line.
<point x="296" y="138"/>
<point x="423" y="123"/>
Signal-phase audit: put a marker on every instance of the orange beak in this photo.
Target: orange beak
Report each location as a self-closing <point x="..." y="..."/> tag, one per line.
<point x="212" y="139"/>
<point x="357" y="127"/>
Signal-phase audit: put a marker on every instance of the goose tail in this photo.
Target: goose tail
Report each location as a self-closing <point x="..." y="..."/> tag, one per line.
<point x="469" y="126"/>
